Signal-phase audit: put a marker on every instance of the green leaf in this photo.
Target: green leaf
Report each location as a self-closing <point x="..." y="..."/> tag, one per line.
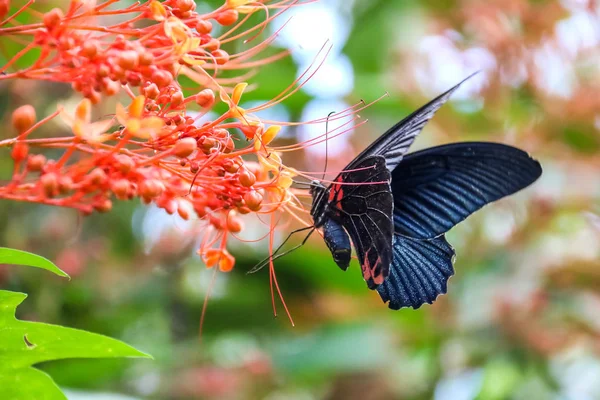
<point x="24" y="343"/>
<point x="18" y="257"/>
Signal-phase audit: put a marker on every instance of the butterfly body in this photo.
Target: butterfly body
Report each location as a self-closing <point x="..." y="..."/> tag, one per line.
<point x="338" y="242"/>
<point x="359" y="202"/>
<point x="394" y="208"/>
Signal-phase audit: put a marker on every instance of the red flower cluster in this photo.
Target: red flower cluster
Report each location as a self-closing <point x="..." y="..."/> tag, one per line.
<point x="154" y="148"/>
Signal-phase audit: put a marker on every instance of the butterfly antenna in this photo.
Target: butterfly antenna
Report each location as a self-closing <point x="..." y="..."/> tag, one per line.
<point x="327" y="143"/>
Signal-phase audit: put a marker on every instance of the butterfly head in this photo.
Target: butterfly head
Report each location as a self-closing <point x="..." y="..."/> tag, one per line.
<point x="315" y="186"/>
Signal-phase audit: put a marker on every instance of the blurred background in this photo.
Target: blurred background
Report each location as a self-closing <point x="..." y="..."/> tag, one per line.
<point x="520" y="320"/>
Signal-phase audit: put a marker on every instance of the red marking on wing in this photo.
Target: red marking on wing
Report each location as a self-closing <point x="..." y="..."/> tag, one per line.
<point x="339" y="194"/>
<point x="332" y="192"/>
<point x="379" y="278"/>
<point x="336" y="193"/>
<point x="368" y="271"/>
<point x="366" y="268"/>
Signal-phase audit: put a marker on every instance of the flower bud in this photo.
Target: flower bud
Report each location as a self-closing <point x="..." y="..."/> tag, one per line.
<point x="203" y="26"/>
<point x="176" y="99"/>
<point x="133" y="78"/>
<point x="151" y="188"/>
<point x="212" y="45"/>
<point x="89" y="48"/>
<point x="94" y="97"/>
<point x="65" y="184"/>
<point x="97" y="177"/>
<point x="124" y="163"/>
<point x="228" y="145"/>
<point x="103" y="71"/>
<point x="215" y="221"/>
<point x="110" y="88"/>
<point x="103" y="205"/>
<point x="23" y="118"/>
<point x="206" y="98"/>
<point x="184" y="147"/>
<point x="169" y="206"/>
<point x="185" y="5"/>
<point x="128" y="59"/>
<point x="227" y="17"/>
<point x="243" y="210"/>
<point x="183" y="213"/>
<point x="121" y="189"/>
<point x="146" y="58"/>
<point x="230" y="166"/>
<point x="221" y="56"/>
<point x="208" y="143"/>
<point x="4" y="7"/>
<point x="253" y="200"/>
<point x="200" y="210"/>
<point x="151" y="91"/>
<point x="234" y="223"/>
<point x="49" y="184"/>
<point x="19" y="151"/>
<point x="247" y="178"/>
<point x="162" y="78"/>
<point x="52" y="18"/>
<point x="36" y="162"/>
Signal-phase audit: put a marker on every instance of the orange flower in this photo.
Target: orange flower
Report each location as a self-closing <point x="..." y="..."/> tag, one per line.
<point x="81" y="125"/>
<point x="183" y="39"/>
<point x="134" y="121"/>
<point x="266" y="137"/>
<point x="157" y="10"/>
<point x="220" y="257"/>
<point x="234" y="109"/>
<point x="194" y="170"/>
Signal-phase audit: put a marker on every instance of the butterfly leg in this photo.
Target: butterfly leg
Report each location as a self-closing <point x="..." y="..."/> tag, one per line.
<point x="264" y="262"/>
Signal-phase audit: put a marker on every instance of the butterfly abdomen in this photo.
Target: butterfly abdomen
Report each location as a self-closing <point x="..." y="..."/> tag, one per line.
<point x="338" y="242"/>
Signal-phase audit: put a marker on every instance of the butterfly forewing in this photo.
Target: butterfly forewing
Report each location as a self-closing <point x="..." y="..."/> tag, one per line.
<point x="361" y="201"/>
<point x="437" y="188"/>
<point x="395" y="142"/>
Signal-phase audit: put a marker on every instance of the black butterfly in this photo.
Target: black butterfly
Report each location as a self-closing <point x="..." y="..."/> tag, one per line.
<point x="396" y="208"/>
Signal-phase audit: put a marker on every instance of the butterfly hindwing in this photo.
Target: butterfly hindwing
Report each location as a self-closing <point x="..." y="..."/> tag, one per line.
<point x="419" y="272"/>
<point x="361" y="201"/>
<point x="437" y="188"/>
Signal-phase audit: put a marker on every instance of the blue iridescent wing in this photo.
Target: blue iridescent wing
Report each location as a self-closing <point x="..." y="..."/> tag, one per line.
<point x="419" y="272"/>
<point x="434" y="190"/>
<point x="437" y="188"/>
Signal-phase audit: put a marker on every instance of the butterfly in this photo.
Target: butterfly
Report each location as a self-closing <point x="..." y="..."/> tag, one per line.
<point x="394" y="208"/>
